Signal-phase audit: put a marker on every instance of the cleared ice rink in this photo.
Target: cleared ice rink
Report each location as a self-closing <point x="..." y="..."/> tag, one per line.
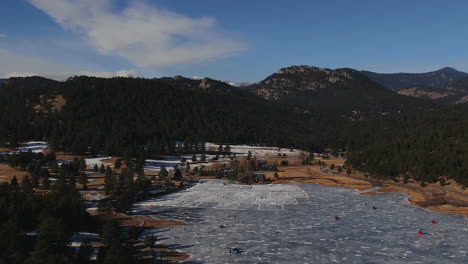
<point x="223" y="195"/>
<point x="299" y="227"/>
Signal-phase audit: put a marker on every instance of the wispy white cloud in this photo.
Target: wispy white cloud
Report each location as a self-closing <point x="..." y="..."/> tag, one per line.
<point x="12" y="61"/>
<point x="3" y="35"/>
<point x="142" y="33"/>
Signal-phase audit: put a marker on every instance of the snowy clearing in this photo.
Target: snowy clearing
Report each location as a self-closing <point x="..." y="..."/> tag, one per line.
<point x="34" y="146"/>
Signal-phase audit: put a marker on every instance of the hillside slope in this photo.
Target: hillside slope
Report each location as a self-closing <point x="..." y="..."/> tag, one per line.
<point x="343" y="92"/>
<point x="399" y="81"/>
<point x="452" y="92"/>
<point x="123" y="114"/>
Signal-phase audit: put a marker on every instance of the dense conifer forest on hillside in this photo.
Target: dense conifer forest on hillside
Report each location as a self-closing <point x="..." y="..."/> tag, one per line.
<point x="129" y="117"/>
<point x="424" y="146"/>
<point x="115" y="116"/>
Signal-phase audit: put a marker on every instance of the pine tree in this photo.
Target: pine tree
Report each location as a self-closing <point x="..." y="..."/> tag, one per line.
<point x="150" y="240"/>
<point x="83" y="180"/>
<point x="109" y="170"/>
<point x="54" y="168"/>
<point x="108" y="183"/>
<point x="86" y="249"/>
<point x="14" y="186"/>
<point x="125" y="201"/>
<point x="26" y="185"/>
<point x="82" y="165"/>
<point x="51" y="243"/>
<point x="163" y="173"/>
<point x="194" y="158"/>
<point x="118" y="164"/>
<point x="96" y="168"/>
<point x="34" y="178"/>
<point x="102" y="169"/>
<point x="177" y="175"/>
<point x="227" y="149"/>
<point x="110" y="232"/>
<point x="72" y="180"/>
<point x="46" y="182"/>
<point x="117" y="254"/>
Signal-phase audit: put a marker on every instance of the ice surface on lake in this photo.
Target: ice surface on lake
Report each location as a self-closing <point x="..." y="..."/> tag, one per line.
<point x="222" y="194"/>
<point x="305" y="231"/>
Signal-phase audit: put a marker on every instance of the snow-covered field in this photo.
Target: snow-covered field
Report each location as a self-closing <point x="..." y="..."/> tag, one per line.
<point x="99" y="160"/>
<point x="239" y="150"/>
<point x="305" y="231"/>
<point x="243" y="150"/>
<point x="34" y="146"/>
<point x="170" y="161"/>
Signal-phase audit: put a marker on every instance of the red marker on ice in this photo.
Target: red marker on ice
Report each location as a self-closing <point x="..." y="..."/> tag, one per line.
<point x="420" y="233"/>
<point x="434" y="221"/>
<point x="336" y="217"/>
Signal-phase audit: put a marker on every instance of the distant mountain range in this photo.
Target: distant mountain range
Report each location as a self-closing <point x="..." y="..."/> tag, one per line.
<point x="304" y="84"/>
<point x="233" y="84"/>
<point x="400" y="81"/>
<point x="452" y="92"/>
<point x="445" y="85"/>
<point x="345" y="92"/>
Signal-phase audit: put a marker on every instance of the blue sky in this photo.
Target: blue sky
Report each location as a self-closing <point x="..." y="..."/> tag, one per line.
<point x="228" y="40"/>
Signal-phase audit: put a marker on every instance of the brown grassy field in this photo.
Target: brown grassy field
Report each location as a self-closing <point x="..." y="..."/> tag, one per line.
<point x="7" y="173"/>
<point x="66" y="156"/>
<point x="454" y="198"/>
<point x="136" y="220"/>
<point x="6" y="149"/>
<point x="313" y="173"/>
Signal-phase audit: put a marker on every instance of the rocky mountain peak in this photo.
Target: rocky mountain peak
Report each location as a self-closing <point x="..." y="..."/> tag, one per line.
<point x="205" y="83"/>
<point x="300" y="78"/>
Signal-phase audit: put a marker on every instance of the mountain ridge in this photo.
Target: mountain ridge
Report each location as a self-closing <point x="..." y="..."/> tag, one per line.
<point x="345" y="92"/>
<point x="399" y="81"/>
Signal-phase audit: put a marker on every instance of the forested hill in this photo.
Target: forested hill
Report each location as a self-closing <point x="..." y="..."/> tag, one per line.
<point x="425" y="146"/>
<point x="399" y="81"/>
<point x="120" y="115"/>
<point x="125" y="115"/>
<point x="386" y="134"/>
<point x="342" y="92"/>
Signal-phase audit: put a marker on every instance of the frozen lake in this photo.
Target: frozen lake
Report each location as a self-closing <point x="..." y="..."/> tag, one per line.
<point x="294" y="223"/>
